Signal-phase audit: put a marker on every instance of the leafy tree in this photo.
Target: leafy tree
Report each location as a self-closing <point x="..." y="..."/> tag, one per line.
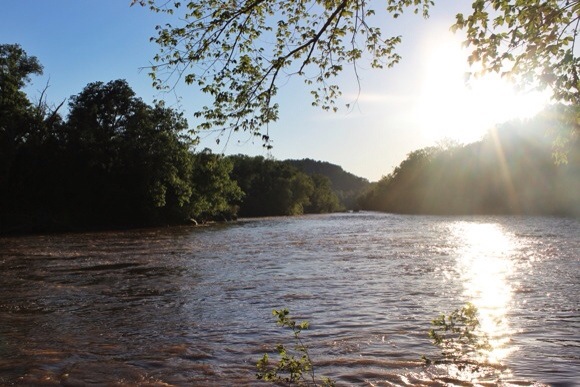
<point x="294" y="366"/>
<point x="271" y="187"/>
<point x="214" y="193"/>
<point x="533" y="43"/>
<point x="238" y="52"/>
<point x="322" y="198"/>
<point x="302" y="188"/>
<point x="530" y="40"/>
<point x="16" y="67"/>
<point x="129" y="158"/>
<point x="115" y="161"/>
<point x="28" y="142"/>
<point x="346" y="186"/>
<point x="460" y="339"/>
<point x="274" y="188"/>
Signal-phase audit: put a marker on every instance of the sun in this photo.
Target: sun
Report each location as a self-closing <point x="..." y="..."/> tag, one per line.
<point x="453" y="106"/>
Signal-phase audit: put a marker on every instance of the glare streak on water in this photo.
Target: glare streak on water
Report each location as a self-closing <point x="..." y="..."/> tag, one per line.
<point x="184" y="306"/>
<point x="486" y="268"/>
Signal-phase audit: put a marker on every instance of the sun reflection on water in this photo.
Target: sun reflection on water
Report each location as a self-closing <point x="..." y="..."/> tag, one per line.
<point x="484" y="263"/>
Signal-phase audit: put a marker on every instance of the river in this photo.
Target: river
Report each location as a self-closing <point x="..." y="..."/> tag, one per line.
<point x="192" y="306"/>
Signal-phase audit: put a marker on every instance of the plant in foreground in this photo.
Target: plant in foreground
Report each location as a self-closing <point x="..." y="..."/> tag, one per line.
<point x="456" y="334"/>
<point x="294" y="366"/>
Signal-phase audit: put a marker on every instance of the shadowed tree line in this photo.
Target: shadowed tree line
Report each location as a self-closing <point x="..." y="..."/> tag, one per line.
<point x="346" y="185"/>
<point x="278" y="188"/>
<point x="513" y="170"/>
<point x="115" y="161"/>
<point x="294" y="187"/>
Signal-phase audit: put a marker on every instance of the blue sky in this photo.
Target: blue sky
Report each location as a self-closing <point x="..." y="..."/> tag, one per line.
<point x="416" y="104"/>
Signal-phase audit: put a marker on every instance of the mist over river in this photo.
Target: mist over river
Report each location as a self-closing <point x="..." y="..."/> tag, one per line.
<point x="192" y="306"/>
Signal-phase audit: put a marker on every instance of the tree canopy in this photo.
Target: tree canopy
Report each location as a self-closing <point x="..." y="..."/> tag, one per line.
<point x="532" y="41"/>
<point x="114" y="161"/>
<point x="130" y="158"/>
<point x="274" y="187"/>
<point x="345" y="185"/>
<point x="16" y="67"/>
<point x="240" y="51"/>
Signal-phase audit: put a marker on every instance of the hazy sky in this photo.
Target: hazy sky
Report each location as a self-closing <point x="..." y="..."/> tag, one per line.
<point x="416" y="104"/>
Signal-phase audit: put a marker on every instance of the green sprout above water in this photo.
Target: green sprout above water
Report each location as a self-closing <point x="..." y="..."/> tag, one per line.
<point x="456" y="334"/>
<point x="294" y="366"/>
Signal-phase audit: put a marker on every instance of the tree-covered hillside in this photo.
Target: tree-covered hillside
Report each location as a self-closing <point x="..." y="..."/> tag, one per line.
<point x="511" y="171"/>
<point x="346" y="185"/>
<point x="277" y="188"/>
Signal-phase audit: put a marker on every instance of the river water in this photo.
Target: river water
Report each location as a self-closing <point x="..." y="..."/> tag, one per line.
<point x="192" y="306"/>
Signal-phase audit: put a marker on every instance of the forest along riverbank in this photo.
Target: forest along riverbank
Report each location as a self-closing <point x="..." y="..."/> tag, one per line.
<point x="185" y="305"/>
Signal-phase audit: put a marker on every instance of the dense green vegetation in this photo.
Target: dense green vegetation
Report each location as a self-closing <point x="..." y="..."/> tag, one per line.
<point x="511" y="171"/>
<point x="235" y="54"/>
<point x="117" y="162"/>
<point x="278" y="188"/>
<point x="114" y="161"/>
<point x="294" y="187"/>
<point x="346" y="185"/>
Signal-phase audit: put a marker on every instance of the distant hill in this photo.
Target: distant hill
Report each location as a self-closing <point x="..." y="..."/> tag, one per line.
<point x="346" y="185"/>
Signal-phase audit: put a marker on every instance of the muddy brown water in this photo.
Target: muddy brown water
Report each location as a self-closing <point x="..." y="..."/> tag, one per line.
<point x="192" y="306"/>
